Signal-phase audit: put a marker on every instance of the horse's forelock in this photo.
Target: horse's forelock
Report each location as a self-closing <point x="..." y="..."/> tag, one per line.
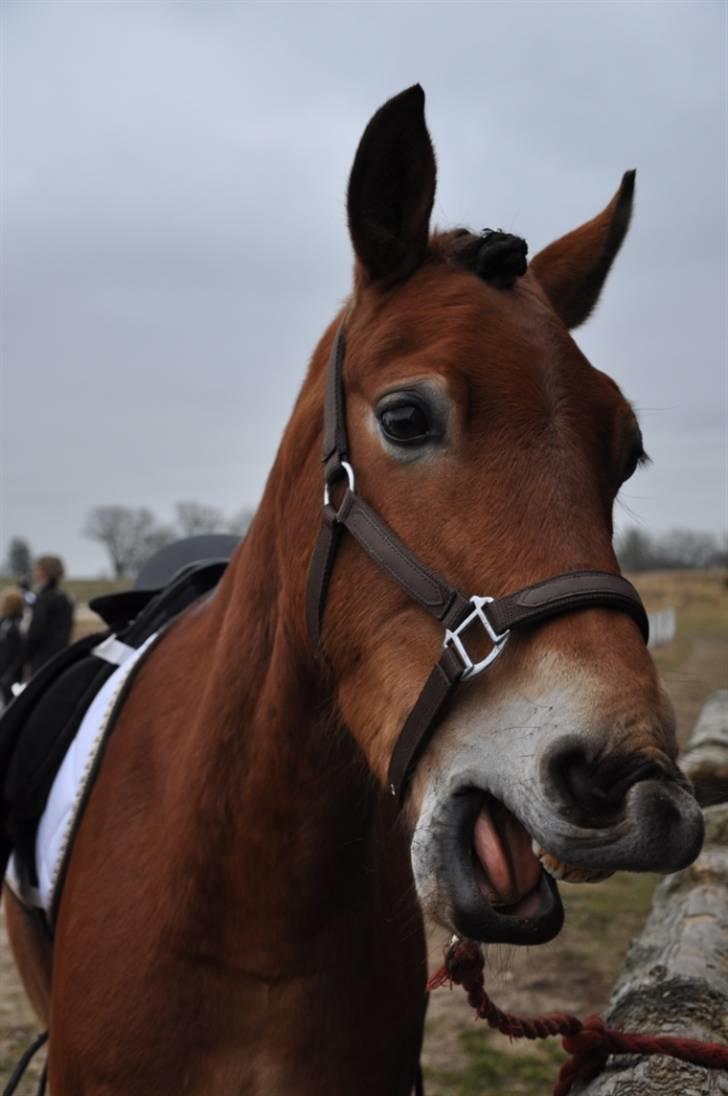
<point x="495" y="256"/>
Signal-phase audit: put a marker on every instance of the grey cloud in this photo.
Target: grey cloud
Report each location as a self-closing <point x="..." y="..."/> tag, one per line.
<point x="174" y="239"/>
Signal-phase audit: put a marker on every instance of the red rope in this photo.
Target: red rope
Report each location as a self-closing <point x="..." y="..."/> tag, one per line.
<point x="589" y="1042"/>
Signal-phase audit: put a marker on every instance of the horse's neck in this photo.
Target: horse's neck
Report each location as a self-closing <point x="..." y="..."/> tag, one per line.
<point x="283" y="810"/>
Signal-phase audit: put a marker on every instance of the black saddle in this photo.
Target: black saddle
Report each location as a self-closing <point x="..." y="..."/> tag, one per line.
<point x="38" y="726"/>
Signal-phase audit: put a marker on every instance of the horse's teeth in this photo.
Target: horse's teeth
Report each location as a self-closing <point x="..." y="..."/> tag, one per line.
<point x="566" y="873"/>
<point x="554" y="867"/>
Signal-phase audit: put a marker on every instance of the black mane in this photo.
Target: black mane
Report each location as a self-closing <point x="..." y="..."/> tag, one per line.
<point x="495" y="256"/>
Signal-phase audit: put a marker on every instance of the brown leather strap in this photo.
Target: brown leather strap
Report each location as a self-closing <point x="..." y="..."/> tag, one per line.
<point x="565" y="593"/>
<point x="524" y="608"/>
<point x="322" y="564"/>
<point x="388" y="551"/>
<point x="420" y="723"/>
<point x="335" y="440"/>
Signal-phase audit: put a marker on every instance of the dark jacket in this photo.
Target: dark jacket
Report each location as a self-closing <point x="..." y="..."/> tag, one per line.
<point x="11" y="656"/>
<point x="50" y="626"/>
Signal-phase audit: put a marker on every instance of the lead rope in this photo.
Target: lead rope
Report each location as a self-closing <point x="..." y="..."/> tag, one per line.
<point x="23" y="1064"/>
<point x="589" y="1042"/>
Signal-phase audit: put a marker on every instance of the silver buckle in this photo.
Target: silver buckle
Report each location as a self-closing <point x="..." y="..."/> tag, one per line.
<point x="453" y="638"/>
<point x="349" y="475"/>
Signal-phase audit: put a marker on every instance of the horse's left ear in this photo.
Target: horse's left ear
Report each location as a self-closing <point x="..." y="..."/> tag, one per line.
<point x="391" y="190"/>
<point x="573" y="269"/>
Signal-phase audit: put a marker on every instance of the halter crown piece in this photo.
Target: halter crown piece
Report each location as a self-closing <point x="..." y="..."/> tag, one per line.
<point x="497" y="617"/>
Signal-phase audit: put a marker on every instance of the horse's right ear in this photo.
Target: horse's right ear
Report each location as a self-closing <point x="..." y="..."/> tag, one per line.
<point x="573" y="269"/>
<point x="391" y="190"/>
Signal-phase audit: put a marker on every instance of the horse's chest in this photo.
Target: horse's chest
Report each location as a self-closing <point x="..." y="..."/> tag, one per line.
<point x="219" y="1032"/>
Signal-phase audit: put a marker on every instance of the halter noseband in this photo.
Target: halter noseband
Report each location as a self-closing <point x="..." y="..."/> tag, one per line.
<point x="496" y="616"/>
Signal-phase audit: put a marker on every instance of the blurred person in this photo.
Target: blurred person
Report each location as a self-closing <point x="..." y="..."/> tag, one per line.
<point x="52" y="620"/>
<point x="12" y="606"/>
<point x="26" y="590"/>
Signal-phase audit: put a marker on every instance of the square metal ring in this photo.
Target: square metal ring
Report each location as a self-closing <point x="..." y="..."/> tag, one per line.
<point x="454" y="638"/>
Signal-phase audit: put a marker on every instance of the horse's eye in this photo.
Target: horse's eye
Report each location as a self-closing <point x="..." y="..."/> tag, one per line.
<point x="405" y="423"/>
<point x="636" y="457"/>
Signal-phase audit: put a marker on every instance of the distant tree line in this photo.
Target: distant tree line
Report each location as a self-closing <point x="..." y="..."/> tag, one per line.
<point x="19" y="561"/>
<point x="131" y="535"/>
<point x="677" y="550"/>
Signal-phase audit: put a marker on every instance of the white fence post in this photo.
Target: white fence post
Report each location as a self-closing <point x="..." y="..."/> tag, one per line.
<point x="662" y="627"/>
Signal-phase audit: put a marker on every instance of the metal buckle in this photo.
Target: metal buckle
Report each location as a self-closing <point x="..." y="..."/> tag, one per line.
<point x="349" y="475"/>
<point x="453" y="638"/>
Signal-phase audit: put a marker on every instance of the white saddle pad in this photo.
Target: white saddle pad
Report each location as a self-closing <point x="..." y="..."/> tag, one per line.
<point x="67" y="792"/>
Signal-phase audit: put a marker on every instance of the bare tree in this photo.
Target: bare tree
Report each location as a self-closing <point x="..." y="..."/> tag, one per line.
<point x="158" y="537"/>
<point x="687" y="548"/>
<point x="130" y="535"/>
<point x="240" y="522"/>
<point x="636" y="551"/>
<point x="195" y="517"/>
<point x="20" y="559"/>
<point x="680" y="548"/>
<point x="720" y="556"/>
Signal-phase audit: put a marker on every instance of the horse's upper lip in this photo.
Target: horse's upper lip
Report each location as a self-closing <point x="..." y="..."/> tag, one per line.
<point x="660" y="829"/>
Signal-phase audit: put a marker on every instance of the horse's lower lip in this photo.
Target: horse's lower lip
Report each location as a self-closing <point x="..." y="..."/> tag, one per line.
<point x="528" y="905"/>
<point x="533" y="918"/>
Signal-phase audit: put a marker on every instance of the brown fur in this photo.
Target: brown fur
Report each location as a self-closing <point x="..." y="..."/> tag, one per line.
<point x="239" y="914"/>
<point x="573" y="269"/>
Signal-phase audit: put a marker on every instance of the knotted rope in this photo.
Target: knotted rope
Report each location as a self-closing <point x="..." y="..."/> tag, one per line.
<point x="589" y="1042"/>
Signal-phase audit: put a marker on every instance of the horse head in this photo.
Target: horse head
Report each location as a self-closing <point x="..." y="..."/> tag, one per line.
<point x="495" y="450"/>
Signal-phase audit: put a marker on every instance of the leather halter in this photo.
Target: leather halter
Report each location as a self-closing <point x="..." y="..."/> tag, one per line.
<point x="458" y="614"/>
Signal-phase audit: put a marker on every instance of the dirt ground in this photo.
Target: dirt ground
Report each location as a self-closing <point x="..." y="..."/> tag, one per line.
<point x="575" y="971"/>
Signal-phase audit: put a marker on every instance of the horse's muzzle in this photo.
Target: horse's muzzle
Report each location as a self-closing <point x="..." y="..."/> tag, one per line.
<point x="660" y="829"/>
<point x="487" y="853"/>
<point x="628" y="813"/>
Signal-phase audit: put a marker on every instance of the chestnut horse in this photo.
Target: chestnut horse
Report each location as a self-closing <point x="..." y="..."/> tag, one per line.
<point x="243" y="912"/>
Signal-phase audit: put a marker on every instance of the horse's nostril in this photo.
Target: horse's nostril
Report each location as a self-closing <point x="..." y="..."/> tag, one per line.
<point x="589" y="788"/>
<point x="585" y="789"/>
<point x="594" y="787"/>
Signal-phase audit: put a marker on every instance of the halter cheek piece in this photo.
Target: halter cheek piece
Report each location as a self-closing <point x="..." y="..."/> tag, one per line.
<point x="497" y="617"/>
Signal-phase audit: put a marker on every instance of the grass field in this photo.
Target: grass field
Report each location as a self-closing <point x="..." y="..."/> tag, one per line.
<point x="574" y="972"/>
<point x="82" y="590"/>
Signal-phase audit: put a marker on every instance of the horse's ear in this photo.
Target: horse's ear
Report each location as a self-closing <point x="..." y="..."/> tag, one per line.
<point x="392" y="188"/>
<point x="573" y="269"/>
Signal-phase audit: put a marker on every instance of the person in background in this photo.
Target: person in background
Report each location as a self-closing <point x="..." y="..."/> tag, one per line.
<point x="52" y="620"/>
<point x="26" y="591"/>
<point x="12" y="605"/>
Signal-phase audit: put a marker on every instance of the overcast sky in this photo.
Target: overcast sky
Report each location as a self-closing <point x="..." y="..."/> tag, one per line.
<point x="174" y="240"/>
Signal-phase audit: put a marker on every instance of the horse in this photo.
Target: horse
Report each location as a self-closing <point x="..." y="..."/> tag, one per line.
<point x="244" y="906"/>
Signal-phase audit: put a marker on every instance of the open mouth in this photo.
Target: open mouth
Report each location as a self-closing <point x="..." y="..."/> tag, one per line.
<point x="503" y="882"/>
<point x="486" y="865"/>
<point x="509" y="863"/>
